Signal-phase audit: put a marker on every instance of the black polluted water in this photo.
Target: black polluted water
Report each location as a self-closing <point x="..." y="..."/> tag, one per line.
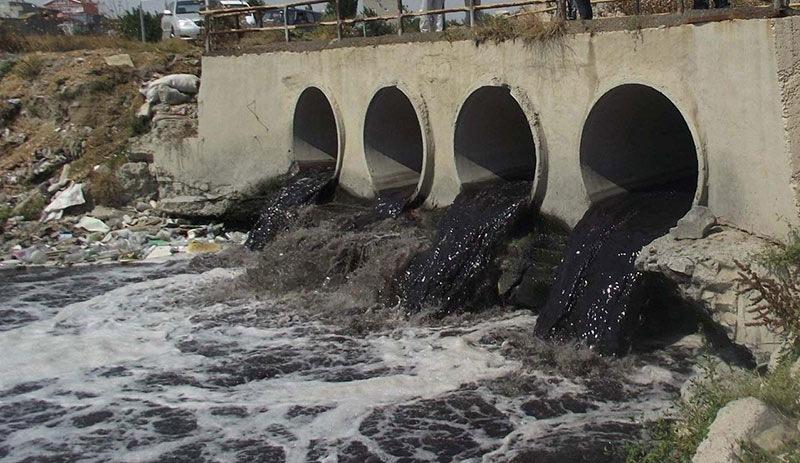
<point x="598" y="296"/>
<point x="456" y="272"/>
<point x="307" y="185"/>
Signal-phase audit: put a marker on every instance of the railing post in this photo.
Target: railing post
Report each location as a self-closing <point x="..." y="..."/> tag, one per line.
<point x="364" y="28"/>
<point x="638" y="7"/>
<point x="471" y="13"/>
<point x="680" y="7"/>
<point x="286" y="22"/>
<point x="337" y="6"/>
<point x="238" y="26"/>
<point x="561" y="9"/>
<point x="207" y="32"/>
<point x="399" y="17"/>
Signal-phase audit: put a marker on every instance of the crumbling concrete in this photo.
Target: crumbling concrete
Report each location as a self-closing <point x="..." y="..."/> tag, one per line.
<point x="705" y="272"/>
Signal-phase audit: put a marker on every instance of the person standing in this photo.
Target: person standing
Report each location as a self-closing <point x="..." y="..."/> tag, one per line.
<point x="432" y="22"/>
<point x="582" y="8"/>
<point x="703" y="4"/>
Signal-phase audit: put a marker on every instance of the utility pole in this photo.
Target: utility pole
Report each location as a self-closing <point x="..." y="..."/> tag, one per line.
<point x="141" y="19"/>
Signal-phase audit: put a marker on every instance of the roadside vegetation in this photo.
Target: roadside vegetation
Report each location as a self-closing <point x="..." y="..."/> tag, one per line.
<point x="14" y="42"/>
<point x="527" y="27"/>
<point x="778" y="308"/>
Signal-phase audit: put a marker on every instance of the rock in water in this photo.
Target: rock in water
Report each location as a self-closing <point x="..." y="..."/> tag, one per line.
<point x="454" y="274"/>
<point x="598" y="294"/>
<point x="306" y="186"/>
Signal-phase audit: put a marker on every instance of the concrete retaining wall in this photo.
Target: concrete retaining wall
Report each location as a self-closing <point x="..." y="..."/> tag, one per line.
<point x="734" y="82"/>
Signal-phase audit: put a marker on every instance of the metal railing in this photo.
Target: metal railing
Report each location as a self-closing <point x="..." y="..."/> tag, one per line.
<point x="213" y="16"/>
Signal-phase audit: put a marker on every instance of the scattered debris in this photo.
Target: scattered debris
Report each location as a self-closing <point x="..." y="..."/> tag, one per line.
<point x="172" y="89"/>
<point x="93" y="225"/>
<point x="119" y="60"/>
<point x="52" y="122"/>
<point x="72" y="196"/>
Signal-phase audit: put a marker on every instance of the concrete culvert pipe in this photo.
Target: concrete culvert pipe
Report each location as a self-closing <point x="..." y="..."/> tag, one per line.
<point x="493" y="139"/>
<point x="315" y="136"/>
<point x="393" y="142"/>
<point x="635" y="139"/>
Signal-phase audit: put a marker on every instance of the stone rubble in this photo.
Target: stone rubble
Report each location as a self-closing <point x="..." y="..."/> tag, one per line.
<point x="705" y="272"/>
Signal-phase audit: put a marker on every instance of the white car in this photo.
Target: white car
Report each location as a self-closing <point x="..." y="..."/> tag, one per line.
<point x="182" y="19"/>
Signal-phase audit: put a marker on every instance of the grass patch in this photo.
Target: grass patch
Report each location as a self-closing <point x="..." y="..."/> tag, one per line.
<point x="778" y="259"/>
<point x="103" y="84"/>
<point x="105" y="189"/>
<point x="29" y="67"/>
<point x="678" y="439"/>
<point x="14" y="42"/>
<point x="138" y="126"/>
<point x="5" y="213"/>
<point x="6" y="66"/>
<point x="31" y="208"/>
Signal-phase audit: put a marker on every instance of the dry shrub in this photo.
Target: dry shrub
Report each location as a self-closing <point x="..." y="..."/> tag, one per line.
<point x="628" y="7"/>
<point x="29" y="67"/>
<point x="26" y="43"/>
<point x="320" y="33"/>
<point x="777" y="300"/>
<point x="105" y="189"/>
<point x="777" y="296"/>
<point x="527" y="27"/>
<point x="246" y="40"/>
<point x="495" y="28"/>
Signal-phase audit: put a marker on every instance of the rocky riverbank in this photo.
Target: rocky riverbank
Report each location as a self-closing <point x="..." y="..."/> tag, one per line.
<point x="78" y="184"/>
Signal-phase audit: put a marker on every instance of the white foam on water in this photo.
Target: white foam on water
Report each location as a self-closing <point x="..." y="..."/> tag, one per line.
<point x="146" y="372"/>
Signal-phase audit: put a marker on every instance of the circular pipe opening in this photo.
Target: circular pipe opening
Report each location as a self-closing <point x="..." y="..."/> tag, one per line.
<point x="493" y="139"/>
<point x="315" y="136"/>
<point x="635" y="139"/>
<point x="393" y="142"/>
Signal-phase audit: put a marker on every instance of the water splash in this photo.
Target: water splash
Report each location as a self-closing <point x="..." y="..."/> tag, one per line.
<point x="598" y="295"/>
<point x="456" y="272"/>
<point x="307" y="185"/>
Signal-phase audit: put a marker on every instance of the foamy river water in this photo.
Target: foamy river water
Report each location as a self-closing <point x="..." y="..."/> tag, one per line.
<point x="132" y="364"/>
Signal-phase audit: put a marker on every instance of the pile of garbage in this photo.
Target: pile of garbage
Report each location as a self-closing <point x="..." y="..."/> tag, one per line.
<point x="167" y="91"/>
<point x="61" y="220"/>
<point x="68" y="232"/>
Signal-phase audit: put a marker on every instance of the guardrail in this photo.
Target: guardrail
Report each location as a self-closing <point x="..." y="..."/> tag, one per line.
<point x="212" y="16"/>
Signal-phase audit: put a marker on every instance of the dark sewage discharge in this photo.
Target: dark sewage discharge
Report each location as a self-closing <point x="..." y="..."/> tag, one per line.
<point x="308" y="184"/>
<point x="495" y="155"/>
<point x="639" y="166"/>
<point x="598" y="297"/>
<point x="456" y="272"/>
